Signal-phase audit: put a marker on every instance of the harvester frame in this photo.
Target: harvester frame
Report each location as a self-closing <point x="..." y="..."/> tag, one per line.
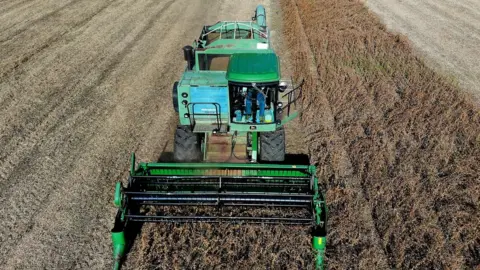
<point x="229" y="148"/>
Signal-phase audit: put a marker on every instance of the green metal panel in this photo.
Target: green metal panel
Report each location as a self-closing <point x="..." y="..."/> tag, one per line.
<point x="211" y="78"/>
<point x="118" y="240"/>
<point x="253" y="68"/>
<point x="319" y="244"/>
<point x="254" y="127"/>
<point x="117" y="200"/>
<point x="231" y="46"/>
<point x="261" y="16"/>
<point x="241" y="169"/>
<point x="254" y="146"/>
<point x="289" y="118"/>
<point x="225" y="166"/>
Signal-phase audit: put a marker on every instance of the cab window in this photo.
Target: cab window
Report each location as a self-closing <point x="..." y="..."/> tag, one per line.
<point x="213" y="62"/>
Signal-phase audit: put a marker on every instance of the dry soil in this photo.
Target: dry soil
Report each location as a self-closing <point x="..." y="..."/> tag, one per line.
<point x="397" y="146"/>
<point x="84" y="83"/>
<point x="446" y="32"/>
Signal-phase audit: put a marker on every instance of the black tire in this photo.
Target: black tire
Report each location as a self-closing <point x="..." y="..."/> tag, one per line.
<point x="187" y="147"/>
<point x="175" y="96"/>
<point x="272" y="146"/>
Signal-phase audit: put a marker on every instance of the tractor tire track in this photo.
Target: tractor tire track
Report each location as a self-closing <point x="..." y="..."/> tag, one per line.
<point x="24" y="203"/>
<point x="59" y="110"/>
<point x="7" y="9"/>
<point x="333" y="158"/>
<point x="45" y="17"/>
<point x="9" y="139"/>
<point x="13" y="89"/>
<point x="52" y="39"/>
<point x="447" y="33"/>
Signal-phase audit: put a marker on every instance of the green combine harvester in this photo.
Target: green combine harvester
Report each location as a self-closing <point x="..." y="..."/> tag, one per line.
<point x="229" y="149"/>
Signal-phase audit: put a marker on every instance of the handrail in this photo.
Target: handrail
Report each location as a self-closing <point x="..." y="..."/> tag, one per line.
<point x="292" y="99"/>
<point x="247" y="24"/>
<point x="217" y="113"/>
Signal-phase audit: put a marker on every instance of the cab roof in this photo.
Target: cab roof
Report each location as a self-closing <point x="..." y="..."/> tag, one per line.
<point x="253" y="68"/>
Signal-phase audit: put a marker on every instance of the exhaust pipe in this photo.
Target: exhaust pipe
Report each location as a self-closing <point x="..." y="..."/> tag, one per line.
<point x="189" y="56"/>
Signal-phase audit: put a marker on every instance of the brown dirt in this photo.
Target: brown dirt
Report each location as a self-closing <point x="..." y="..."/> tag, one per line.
<point x="446" y="32"/>
<point x="397" y="146"/>
<point x="84" y="83"/>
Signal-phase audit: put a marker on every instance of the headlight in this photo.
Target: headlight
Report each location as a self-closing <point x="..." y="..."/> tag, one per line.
<point x="282" y="86"/>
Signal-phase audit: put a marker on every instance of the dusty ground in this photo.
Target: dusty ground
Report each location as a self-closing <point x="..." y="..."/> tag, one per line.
<point x="84" y="83"/>
<point x="447" y="32"/>
<point x="397" y="146"/>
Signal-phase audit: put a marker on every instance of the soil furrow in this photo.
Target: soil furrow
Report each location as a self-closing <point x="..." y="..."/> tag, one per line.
<point x="54" y="185"/>
<point x="86" y="82"/>
<point x="59" y="104"/>
<point x="6" y="8"/>
<point x="59" y="109"/>
<point x="44" y="17"/>
<point x="56" y="37"/>
<point x="446" y="33"/>
<point x="410" y="136"/>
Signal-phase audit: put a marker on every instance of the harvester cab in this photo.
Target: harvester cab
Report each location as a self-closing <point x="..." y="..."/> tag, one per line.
<point x="229" y="145"/>
<point x="231" y="100"/>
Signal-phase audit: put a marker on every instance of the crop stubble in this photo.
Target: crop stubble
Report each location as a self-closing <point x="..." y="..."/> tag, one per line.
<point x="397" y="146"/>
<point x="83" y="83"/>
<point x="446" y="32"/>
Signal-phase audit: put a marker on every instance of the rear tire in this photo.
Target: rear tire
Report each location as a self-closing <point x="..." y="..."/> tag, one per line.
<point x="272" y="146"/>
<point x="187" y="147"/>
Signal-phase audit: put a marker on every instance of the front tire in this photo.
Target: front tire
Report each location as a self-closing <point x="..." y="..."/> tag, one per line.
<point x="272" y="146"/>
<point x="187" y="147"/>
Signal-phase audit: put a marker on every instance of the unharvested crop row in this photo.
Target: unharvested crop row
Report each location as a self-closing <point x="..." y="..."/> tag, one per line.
<point x="397" y="146"/>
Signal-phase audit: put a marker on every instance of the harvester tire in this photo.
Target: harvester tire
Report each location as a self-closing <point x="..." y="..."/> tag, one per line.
<point x="175" y="96"/>
<point x="272" y="146"/>
<point x="187" y="145"/>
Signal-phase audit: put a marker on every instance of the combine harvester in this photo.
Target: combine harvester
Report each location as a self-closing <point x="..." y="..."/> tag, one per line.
<point x="229" y="146"/>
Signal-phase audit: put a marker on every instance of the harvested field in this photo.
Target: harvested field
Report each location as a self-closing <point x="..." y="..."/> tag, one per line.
<point x="83" y="83"/>
<point x="398" y="146"/>
<point x="446" y="32"/>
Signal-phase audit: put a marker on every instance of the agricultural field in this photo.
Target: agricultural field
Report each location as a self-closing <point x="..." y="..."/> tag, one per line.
<point x="396" y="144"/>
<point x="83" y="83"/>
<point x="446" y="33"/>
